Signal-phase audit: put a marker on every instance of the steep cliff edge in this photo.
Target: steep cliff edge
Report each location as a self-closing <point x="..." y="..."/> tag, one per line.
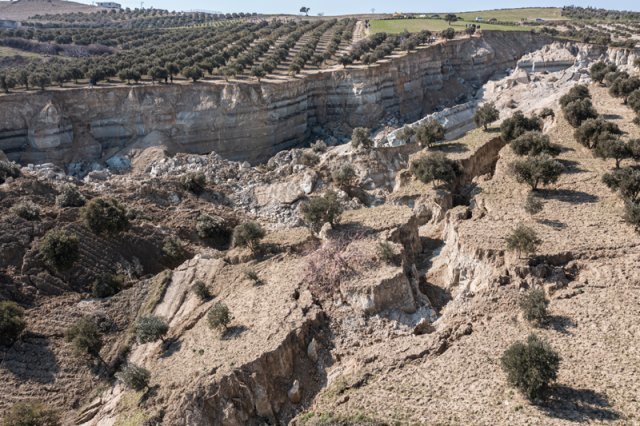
<point x="250" y="121"/>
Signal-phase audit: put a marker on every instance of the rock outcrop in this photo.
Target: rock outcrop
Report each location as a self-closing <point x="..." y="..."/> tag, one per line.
<point x="559" y="56"/>
<point x="250" y="121"/>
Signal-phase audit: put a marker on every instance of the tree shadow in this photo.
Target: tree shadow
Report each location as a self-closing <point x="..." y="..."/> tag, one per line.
<point x="569" y="196"/>
<point x="233" y="332"/>
<point x="148" y="395"/>
<point x="578" y="405"/>
<point x="556" y="224"/>
<point x="215" y="197"/>
<point x="571" y="167"/>
<point x="612" y="116"/>
<point x="268" y="250"/>
<point x="98" y="366"/>
<point x="32" y="359"/>
<point x="170" y="347"/>
<point x="438" y="296"/>
<point x="560" y="323"/>
<point x="353" y="230"/>
<point x="451" y="147"/>
<point x="219" y="242"/>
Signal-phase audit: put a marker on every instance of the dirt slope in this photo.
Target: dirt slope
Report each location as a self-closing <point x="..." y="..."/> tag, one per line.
<point x="594" y="308"/>
<point x="23" y="9"/>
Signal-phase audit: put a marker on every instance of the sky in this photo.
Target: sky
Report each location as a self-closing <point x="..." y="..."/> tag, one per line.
<point x="340" y="7"/>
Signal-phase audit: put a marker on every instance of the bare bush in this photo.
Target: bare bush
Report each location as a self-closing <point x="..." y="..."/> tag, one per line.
<point x="330" y="265"/>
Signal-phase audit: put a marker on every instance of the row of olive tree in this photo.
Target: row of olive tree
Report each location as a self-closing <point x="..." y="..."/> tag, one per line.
<point x="603" y="137"/>
<point x="225" y="51"/>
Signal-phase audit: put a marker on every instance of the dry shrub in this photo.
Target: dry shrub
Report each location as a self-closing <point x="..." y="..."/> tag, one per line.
<point x="331" y="264"/>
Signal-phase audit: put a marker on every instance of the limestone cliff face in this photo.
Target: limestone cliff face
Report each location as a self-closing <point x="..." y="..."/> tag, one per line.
<point x="249" y="121"/>
<point x="561" y="55"/>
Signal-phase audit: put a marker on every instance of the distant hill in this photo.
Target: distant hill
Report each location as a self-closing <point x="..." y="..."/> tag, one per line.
<point x="22" y="9"/>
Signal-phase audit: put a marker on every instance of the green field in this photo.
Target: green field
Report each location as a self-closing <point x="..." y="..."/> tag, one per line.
<point x="395" y="26"/>
<point x="514" y="15"/>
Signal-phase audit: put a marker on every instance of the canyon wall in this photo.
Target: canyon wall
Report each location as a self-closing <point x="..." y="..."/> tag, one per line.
<point x="250" y="121"/>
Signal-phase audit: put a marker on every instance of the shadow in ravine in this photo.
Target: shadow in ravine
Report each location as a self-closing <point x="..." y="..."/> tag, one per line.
<point x="32" y="359"/>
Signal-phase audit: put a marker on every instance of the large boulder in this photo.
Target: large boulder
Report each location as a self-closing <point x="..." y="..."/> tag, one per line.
<point x="386" y="289"/>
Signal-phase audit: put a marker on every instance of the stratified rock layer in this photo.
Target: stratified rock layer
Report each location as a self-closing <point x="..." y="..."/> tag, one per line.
<point x="250" y="121"/>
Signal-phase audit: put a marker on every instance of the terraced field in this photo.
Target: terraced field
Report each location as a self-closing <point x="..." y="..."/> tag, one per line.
<point x="232" y="47"/>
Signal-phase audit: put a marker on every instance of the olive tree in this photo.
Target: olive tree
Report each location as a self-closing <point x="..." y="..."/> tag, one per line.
<point x="7" y="82"/>
<point x="534" y="306"/>
<point x="435" y="167"/>
<point x="623" y="87"/>
<point x="626" y="181"/>
<point x="40" y="80"/>
<point x="485" y="115"/>
<point x="600" y="69"/>
<point x="360" y="138"/>
<point x="448" y="34"/>
<point x="576" y="93"/>
<point x="593" y="130"/>
<point x="134" y="377"/>
<point x="201" y="290"/>
<point x="517" y="125"/>
<point x="344" y="176"/>
<point x="194" y="182"/>
<point x="531" y="366"/>
<point x="258" y="72"/>
<point x="430" y="133"/>
<point x="534" y="143"/>
<point x="60" y="249"/>
<point x="634" y="101"/>
<point x="537" y="170"/>
<point x="320" y="210"/>
<point x="613" y="148"/>
<point x="523" y="240"/>
<point x="70" y="196"/>
<point x="219" y="316"/>
<point x="105" y="216"/>
<point x="248" y="235"/>
<point x="576" y="112"/>
<point x="345" y="60"/>
<point x="193" y="72"/>
<point x="85" y="337"/>
<point x="11" y="321"/>
<point x="632" y="214"/>
<point x="172" y="69"/>
<point x="158" y="74"/>
<point x="150" y="329"/>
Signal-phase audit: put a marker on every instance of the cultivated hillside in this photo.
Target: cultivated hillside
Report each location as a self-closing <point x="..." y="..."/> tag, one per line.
<point x="23" y="9"/>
